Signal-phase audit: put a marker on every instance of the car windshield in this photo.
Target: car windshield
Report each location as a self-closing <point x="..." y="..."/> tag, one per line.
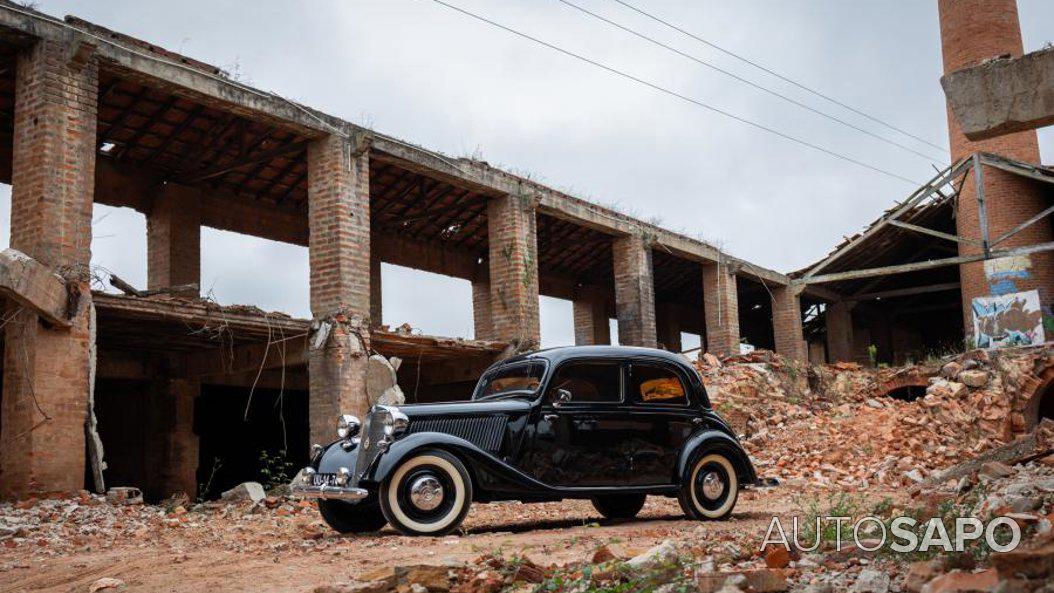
<point x="516" y="380"/>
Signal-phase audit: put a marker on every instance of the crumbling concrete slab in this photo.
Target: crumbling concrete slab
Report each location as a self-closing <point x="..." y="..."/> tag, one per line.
<point x="34" y="285"/>
<point x="1003" y="95"/>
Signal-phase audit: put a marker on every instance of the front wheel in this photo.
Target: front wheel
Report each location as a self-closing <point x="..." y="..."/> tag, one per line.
<point x="619" y="506"/>
<point x="428" y="494"/>
<point x="345" y="517"/>
<point x="711" y="487"/>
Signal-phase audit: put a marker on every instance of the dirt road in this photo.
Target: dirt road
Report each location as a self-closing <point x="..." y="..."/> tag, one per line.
<point x="288" y="548"/>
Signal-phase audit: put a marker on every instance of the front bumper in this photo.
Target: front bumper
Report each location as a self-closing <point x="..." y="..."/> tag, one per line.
<point x="328" y="492"/>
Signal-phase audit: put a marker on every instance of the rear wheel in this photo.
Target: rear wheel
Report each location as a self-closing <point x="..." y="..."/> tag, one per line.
<point x="711" y="488"/>
<point x="619" y="506"/>
<point x="346" y="517"/>
<point x="428" y="494"/>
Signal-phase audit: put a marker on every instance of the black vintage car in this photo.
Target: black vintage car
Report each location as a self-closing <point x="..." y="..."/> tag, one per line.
<point x="610" y="424"/>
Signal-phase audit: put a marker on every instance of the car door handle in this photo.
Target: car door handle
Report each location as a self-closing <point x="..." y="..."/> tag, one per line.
<point x="550" y="417"/>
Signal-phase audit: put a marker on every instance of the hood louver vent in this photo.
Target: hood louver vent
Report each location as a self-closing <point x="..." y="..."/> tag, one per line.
<point x="485" y="433"/>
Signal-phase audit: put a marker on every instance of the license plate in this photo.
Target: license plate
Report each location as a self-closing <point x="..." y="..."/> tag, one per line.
<point x="324" y="480"/>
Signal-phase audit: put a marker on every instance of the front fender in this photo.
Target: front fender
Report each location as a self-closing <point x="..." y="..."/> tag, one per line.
<point x="488" y="472"/>
<point x="715" y="440"/>
<point x="334" y="457"/>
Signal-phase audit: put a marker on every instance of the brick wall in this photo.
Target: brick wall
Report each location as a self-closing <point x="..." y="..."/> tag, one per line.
<point x="339" y="255"/>
<point x="839" y="321"/>
<point x="973" y="31"/>
<point x="591" y="323"/>
<point x="513" y="256"/>
<point x="634" y="291"/>
<point x="668" y="327"/>
<point x="720" y="310"/>
<point x="173" y="238"/>
<point x="786" y="323"/>
<point x="178" y="466"/>
<point x="339" y="227"/>
<point x="481" y="312"/>
<point x="376" y="301"/>
<point x="46" y="369"/>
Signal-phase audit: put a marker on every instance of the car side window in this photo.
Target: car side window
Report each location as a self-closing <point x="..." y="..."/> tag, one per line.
<point x="588" y="382"/>
<point x="655" y="384"/>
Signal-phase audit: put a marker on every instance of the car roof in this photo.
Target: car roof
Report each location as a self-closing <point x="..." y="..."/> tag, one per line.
<point x="562" y="353"/>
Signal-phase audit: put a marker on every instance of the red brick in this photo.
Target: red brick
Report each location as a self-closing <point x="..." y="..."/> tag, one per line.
<point x="839" y="321"/>
<point x="46" y="369"/>
<point x="634" y="291"/>
<point x="973" y="31"/>
<point x="591" y="322"/>
<point x="513" y="255"/>
<point x="481" y="313"/>
<point x="173" y="233"/>
<point x="786" y="323"/>
<point x="721" y="310"/>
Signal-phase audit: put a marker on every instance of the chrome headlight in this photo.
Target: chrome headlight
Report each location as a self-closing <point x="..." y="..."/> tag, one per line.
<point x="397" y="422"/>
<point x="347" y="426"/>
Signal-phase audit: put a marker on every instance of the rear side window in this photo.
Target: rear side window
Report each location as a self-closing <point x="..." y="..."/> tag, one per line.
<point x="653" y="384"/>
<point x="588" y="382"/>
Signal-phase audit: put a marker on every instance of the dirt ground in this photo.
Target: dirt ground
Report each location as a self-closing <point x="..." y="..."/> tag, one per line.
<point x="238" y="549"/>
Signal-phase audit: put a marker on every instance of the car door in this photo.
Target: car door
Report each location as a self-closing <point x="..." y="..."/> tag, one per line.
<point x="657" y="397"/>
<point x="576" y="442"/>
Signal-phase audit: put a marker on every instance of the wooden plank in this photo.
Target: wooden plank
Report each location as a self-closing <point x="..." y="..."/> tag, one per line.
<point x="245" y="162"/>
<point x="931" y="232"/>
<point x="982" y="210"/>
<point x="1023" y="226"/>
<point x="925" y="265"/>
<point x="901" y="292"/>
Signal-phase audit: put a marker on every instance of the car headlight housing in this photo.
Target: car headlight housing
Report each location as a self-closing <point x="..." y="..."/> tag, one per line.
<point x="348" y="426"/>
<point x="395" y="422"/>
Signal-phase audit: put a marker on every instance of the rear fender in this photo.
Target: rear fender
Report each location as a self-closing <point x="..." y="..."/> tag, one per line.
<point x="717" y="441"/>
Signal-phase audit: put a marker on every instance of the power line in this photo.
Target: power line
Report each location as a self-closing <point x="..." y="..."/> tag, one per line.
<point x="778" y="75"/>
<point x="751" y="83"/>
<point x="675" y="94"/>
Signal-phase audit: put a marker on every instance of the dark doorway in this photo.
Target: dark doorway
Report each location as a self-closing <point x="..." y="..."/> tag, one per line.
<point x="908" y="393"/>
<point x="235" y="449"/>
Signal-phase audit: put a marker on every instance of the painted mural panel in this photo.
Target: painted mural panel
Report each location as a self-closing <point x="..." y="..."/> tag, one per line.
<point x="1013" y="319"/>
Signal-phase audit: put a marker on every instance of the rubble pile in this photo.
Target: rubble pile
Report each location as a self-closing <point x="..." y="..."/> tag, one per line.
<point x="837" y="425"/>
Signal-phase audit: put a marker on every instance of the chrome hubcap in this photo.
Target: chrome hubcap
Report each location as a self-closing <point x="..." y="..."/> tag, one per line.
<point x="426" y="493"/>
<point x="713" y="485"/>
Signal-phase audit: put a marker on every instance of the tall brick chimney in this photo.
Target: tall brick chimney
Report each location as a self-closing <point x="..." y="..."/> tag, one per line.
<point x="973" y="31"/>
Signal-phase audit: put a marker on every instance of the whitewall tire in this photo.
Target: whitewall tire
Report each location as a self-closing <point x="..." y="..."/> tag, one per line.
<point x="711" y="487"/>
<point x="428" y="494"/>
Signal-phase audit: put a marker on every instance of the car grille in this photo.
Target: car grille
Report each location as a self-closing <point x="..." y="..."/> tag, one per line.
<point x="485" y="433"/>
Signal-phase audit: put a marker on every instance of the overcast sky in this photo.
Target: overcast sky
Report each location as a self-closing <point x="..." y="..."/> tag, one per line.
<point x="419" y="71"/>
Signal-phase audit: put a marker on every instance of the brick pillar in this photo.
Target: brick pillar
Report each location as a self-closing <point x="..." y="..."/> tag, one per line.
<point x="174" y="400"/>
<point x="721" y="310"/>
<point x="839" y="320"/>
<point x="481" y="313"/>
<point x="376" y="307"/>
<point x="46" y="369"/>
<point x="668" y="327"/>
<point x="634" y="291"/>
<point x="513" y="257"/>
<point x="339" y="253"/>
<point x="786" y="323"/>
<point x="591" y="320"/>
<point x="173" y="239"/>
<point x="973" y="31"/>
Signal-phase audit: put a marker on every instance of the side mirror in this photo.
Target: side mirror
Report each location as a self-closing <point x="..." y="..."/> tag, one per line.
<point x="563" y="396"/>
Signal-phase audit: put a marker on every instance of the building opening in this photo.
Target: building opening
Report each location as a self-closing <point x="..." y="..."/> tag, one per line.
<point x="907" y="393"/>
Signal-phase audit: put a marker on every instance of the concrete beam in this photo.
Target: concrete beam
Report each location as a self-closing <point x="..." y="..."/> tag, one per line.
<point x="245" y="359"/>
<point x="33" y="285"/>
<point x="1004" y="95"/>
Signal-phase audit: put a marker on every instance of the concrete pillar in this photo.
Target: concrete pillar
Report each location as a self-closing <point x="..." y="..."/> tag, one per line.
<point x="47" y="369"/>
<point x="376" y="306"/>
<point x="786" y="323"/>
<point x="339" y="253"/>
<point x="721" y="310"/>
<point x="668" y="327"/>
<point x="174" y="404"/>
<point x="481" y="311"/>
<point x="591" y="320"/>
<point x="173" y="239"/>
<point x="634" y="291"/>
<point x="973" y="31"/>
<point x="513" y="257"/>
<point x="839" y="321"/>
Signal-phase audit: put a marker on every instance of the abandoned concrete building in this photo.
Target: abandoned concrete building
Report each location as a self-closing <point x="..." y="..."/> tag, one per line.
<point x="163" y="378"/>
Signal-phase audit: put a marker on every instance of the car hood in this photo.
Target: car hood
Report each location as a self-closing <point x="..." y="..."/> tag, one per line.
<point x="466" y="408"/>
